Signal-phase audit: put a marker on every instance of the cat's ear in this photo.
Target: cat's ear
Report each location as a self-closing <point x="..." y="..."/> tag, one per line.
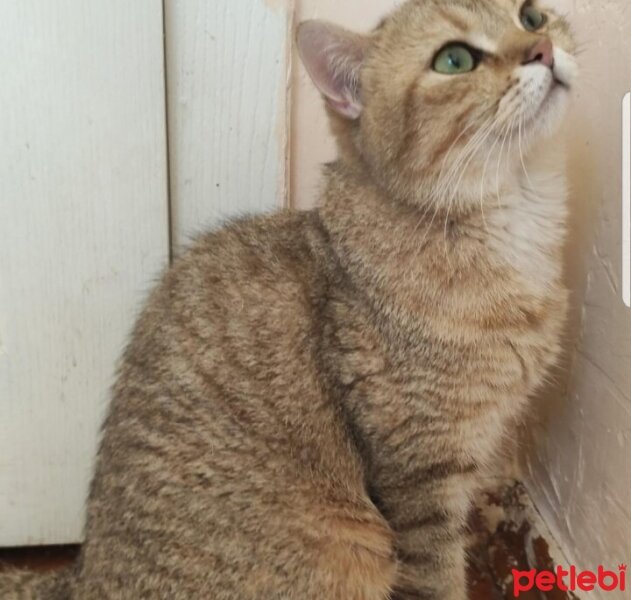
<point x="333" y="57"/>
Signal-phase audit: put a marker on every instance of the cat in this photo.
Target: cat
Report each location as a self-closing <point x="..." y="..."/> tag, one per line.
<point x="308" y="400"/>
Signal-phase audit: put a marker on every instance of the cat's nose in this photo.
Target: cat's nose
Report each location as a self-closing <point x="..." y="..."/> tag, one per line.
<point x="542" y="52"/>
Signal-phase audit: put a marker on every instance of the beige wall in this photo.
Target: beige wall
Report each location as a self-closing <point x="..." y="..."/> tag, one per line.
<point x="578" y="459"/>
<point x="580" y="468"/>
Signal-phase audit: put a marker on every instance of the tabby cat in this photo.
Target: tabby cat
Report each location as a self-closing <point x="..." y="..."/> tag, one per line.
<point x="309" y="398"/>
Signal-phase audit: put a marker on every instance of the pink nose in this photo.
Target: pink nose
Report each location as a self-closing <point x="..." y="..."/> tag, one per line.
<point x="542" y="52"/>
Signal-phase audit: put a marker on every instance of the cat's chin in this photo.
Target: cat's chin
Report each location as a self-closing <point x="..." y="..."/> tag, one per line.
<point x="550" y="116"/>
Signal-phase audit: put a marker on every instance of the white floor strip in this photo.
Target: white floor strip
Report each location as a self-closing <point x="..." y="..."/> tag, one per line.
<point x="626" y="199"/>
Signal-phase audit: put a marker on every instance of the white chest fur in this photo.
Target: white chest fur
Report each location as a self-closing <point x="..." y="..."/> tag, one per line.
<point x="528" y="227"/>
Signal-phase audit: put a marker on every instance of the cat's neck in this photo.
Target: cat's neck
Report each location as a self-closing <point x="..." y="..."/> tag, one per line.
<point x="406" y="257"/>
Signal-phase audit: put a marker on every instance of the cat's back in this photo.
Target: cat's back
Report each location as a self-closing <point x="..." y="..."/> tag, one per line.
<point x="226" y="324"/>
<point x="222" y="436"/>
<point x="266" y="260"/>
<point x="242" y="284"/>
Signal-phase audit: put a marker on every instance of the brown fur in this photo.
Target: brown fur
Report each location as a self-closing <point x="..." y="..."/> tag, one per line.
<point x="308" y="400"/>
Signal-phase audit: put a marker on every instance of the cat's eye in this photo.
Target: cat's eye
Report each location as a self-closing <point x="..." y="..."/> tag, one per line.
<point x="455" y="59"/>
<point x="532" y="18"/>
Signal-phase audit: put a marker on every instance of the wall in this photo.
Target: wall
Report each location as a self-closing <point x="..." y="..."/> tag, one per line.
<point x="579" y="469"/>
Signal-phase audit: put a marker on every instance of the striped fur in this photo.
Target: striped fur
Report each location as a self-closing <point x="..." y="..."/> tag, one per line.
<point x="308" y="399"/>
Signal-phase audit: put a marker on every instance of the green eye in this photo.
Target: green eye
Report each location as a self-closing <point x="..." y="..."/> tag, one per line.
<point x="454" y="60"/>
<point x="531" y="18"/>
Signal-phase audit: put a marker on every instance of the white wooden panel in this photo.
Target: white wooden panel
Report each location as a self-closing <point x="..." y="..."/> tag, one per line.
<point x="83" y="229"/>
<point x="227" y="66"/>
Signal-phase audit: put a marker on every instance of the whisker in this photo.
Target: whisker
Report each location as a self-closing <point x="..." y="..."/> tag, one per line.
<point x="521" y="156"/>
<point x="472" y="153"/>
<point x="483" y="180"/>
<point x="432" y="198"/>
<point x="499" y="161"/>
<point x="481" y="139"/>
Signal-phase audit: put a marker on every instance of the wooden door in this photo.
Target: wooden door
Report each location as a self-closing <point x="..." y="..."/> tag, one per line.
<point x="228" y="86"/>
<point x="87" y="215"/>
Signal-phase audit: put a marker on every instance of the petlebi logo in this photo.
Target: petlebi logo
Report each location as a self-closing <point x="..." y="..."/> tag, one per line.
<point x="571" y="580"/>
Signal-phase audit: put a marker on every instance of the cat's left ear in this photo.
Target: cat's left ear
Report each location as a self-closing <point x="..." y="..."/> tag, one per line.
<point x="334" y="57"/>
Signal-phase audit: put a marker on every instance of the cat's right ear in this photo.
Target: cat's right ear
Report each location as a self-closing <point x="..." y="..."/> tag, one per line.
<point x="333" y="57"/>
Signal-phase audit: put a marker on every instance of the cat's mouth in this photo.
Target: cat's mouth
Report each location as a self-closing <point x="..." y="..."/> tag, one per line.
<point x="558" y="86"/>
<point x="553" y="89"/>
<point x="558" y="80"/>
<point x="545" y="92"/>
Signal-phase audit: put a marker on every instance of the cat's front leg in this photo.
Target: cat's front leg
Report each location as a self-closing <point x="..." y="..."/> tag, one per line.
<point x="439" y="576"/>
<point x="429" y="522"/>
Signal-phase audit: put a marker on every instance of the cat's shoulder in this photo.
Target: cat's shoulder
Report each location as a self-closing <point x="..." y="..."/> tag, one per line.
<point x="251" y="263"/>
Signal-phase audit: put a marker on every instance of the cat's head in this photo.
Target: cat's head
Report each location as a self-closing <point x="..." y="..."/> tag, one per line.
<point x="445" y="94"/>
